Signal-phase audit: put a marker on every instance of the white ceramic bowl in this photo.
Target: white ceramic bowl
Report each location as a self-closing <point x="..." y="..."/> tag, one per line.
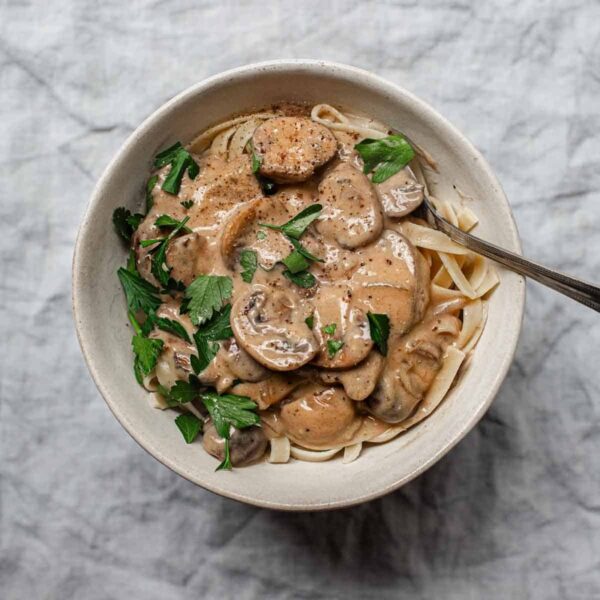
<point x="99" y="305"/>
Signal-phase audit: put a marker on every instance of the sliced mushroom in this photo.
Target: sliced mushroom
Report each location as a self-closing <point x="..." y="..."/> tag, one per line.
<point x="241" y="364"/>
<point x="335" y="307"/>
<point x="242" y="231"/>
<point x="352" y="214"/>
<point x="358" y="382"/>
<point x="318" y="417"/>
<point x="269" y="391"/>
<point x="400" y="194"/>
<point x="245" y="445"/>
<point x="269" y="325"/>
<point x="411" y="368"/>
<point x="221" y="188"/>
<point x="290" y="149"/>
<point x="189" y="256"/>
<point x="392" y="279"/>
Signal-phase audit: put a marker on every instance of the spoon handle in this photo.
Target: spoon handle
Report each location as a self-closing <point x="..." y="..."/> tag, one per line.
<point x="579" y="290"/>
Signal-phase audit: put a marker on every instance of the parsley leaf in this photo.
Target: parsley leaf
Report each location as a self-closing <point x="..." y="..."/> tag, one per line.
<point x="185" y="391"/>
<point x="295" y="262"/>
<point x="187" y="204"/>
<point x="329" y="329"/>
<point x="226" y="464"/>
<point x="170" y="326"/>
<point x="379" y="325"/>
<point x="304" y="279"/>
<point x="297" y="225"/>
<point x="310" y="321"/>
<point x="387" y="156"/>
<point x="249" y="262"/>
<point x="126" y="223"/>
<point x="189" y="425"/>
<point x="206" y="295"/>
<point x="256" y="162"/>
<point x="168" y="221"/>
<point x="149" y="187"/>
<point x="180" y="160"/>
<point x="140" y="294"/>
<point x="300" y="248"/>
<point x="218" y="328"/>
<point x="146" y="352"/>
<point x="333" y="346"/>
<point x="207" y="350"/>
<point x="131" y="262"/>
<point x="228" y="410"/>
<point x="159" y="268"/>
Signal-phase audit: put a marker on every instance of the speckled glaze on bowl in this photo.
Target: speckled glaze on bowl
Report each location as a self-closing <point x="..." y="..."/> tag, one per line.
<point x="99" y="306"/>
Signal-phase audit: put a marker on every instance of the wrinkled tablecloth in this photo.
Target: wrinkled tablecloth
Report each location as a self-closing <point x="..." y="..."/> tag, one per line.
<point x="512" y="512"/>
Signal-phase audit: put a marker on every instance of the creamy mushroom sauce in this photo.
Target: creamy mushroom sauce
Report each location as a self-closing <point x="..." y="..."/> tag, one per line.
<point x="316" y="399"/>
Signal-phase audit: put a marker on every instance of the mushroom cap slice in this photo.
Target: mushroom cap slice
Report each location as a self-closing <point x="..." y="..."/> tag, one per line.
<point x="400" y="194"/>
<point x="269" y="325"/>
<point x="319" y="417"/>
<point x="358" y="382"/>
<point x="189" y="256"/>
<point x="352" y="214"/>
<point x="411" y="367"/>
<point x="336" y="306"/>
<point x="290" y="149"/>
<point x="245" y="445"/>
<point x="242" y="228"/>
<point x="392" y="279"/>
<point x="269" y="391"/>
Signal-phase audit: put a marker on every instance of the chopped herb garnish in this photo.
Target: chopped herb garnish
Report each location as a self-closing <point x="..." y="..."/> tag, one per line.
<point x="131" y="262"/>
<point x="149" y="187"/>
<point x="126" y="223"/>
<point x="385" y="157"/>
<point x="206" y="295"/>
<point x="160" y="269"/>
<point x="329" y="329"/>
<point x="300" y="248"/>
<point x="261" y="235"/>
<point x="217" y="328"/>
<point x="168" y="221"/>
<point x="226" y="411"/>
<point x="249" y="262"/>
<point x="226" y="464"/>
<point x="189" y="425"/>
<point x="304" y="279"/>
<point x="170" y="326"/>
<point x="187" y="204"/>
<point x="207" y="350"/>
<point x="310" y="321"/>
<point x="140" y="294"/>
<point x="184" y="391"/>
<point x="333" y="346"/>
<point x="146" y="243"/>
<point x="146" y="352"/>
<point x="296" y="226"/>
<point x="380" y="330"/>
<point x="295" y="262"/>
<point x="256" y="162"/>
<point x="181" y="161"/>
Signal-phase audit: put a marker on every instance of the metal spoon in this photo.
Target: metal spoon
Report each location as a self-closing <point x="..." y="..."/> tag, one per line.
<point x="583" y="292"/>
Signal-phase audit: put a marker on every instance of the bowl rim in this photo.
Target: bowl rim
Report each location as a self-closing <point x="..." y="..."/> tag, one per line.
<point x="274" y="66"/>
